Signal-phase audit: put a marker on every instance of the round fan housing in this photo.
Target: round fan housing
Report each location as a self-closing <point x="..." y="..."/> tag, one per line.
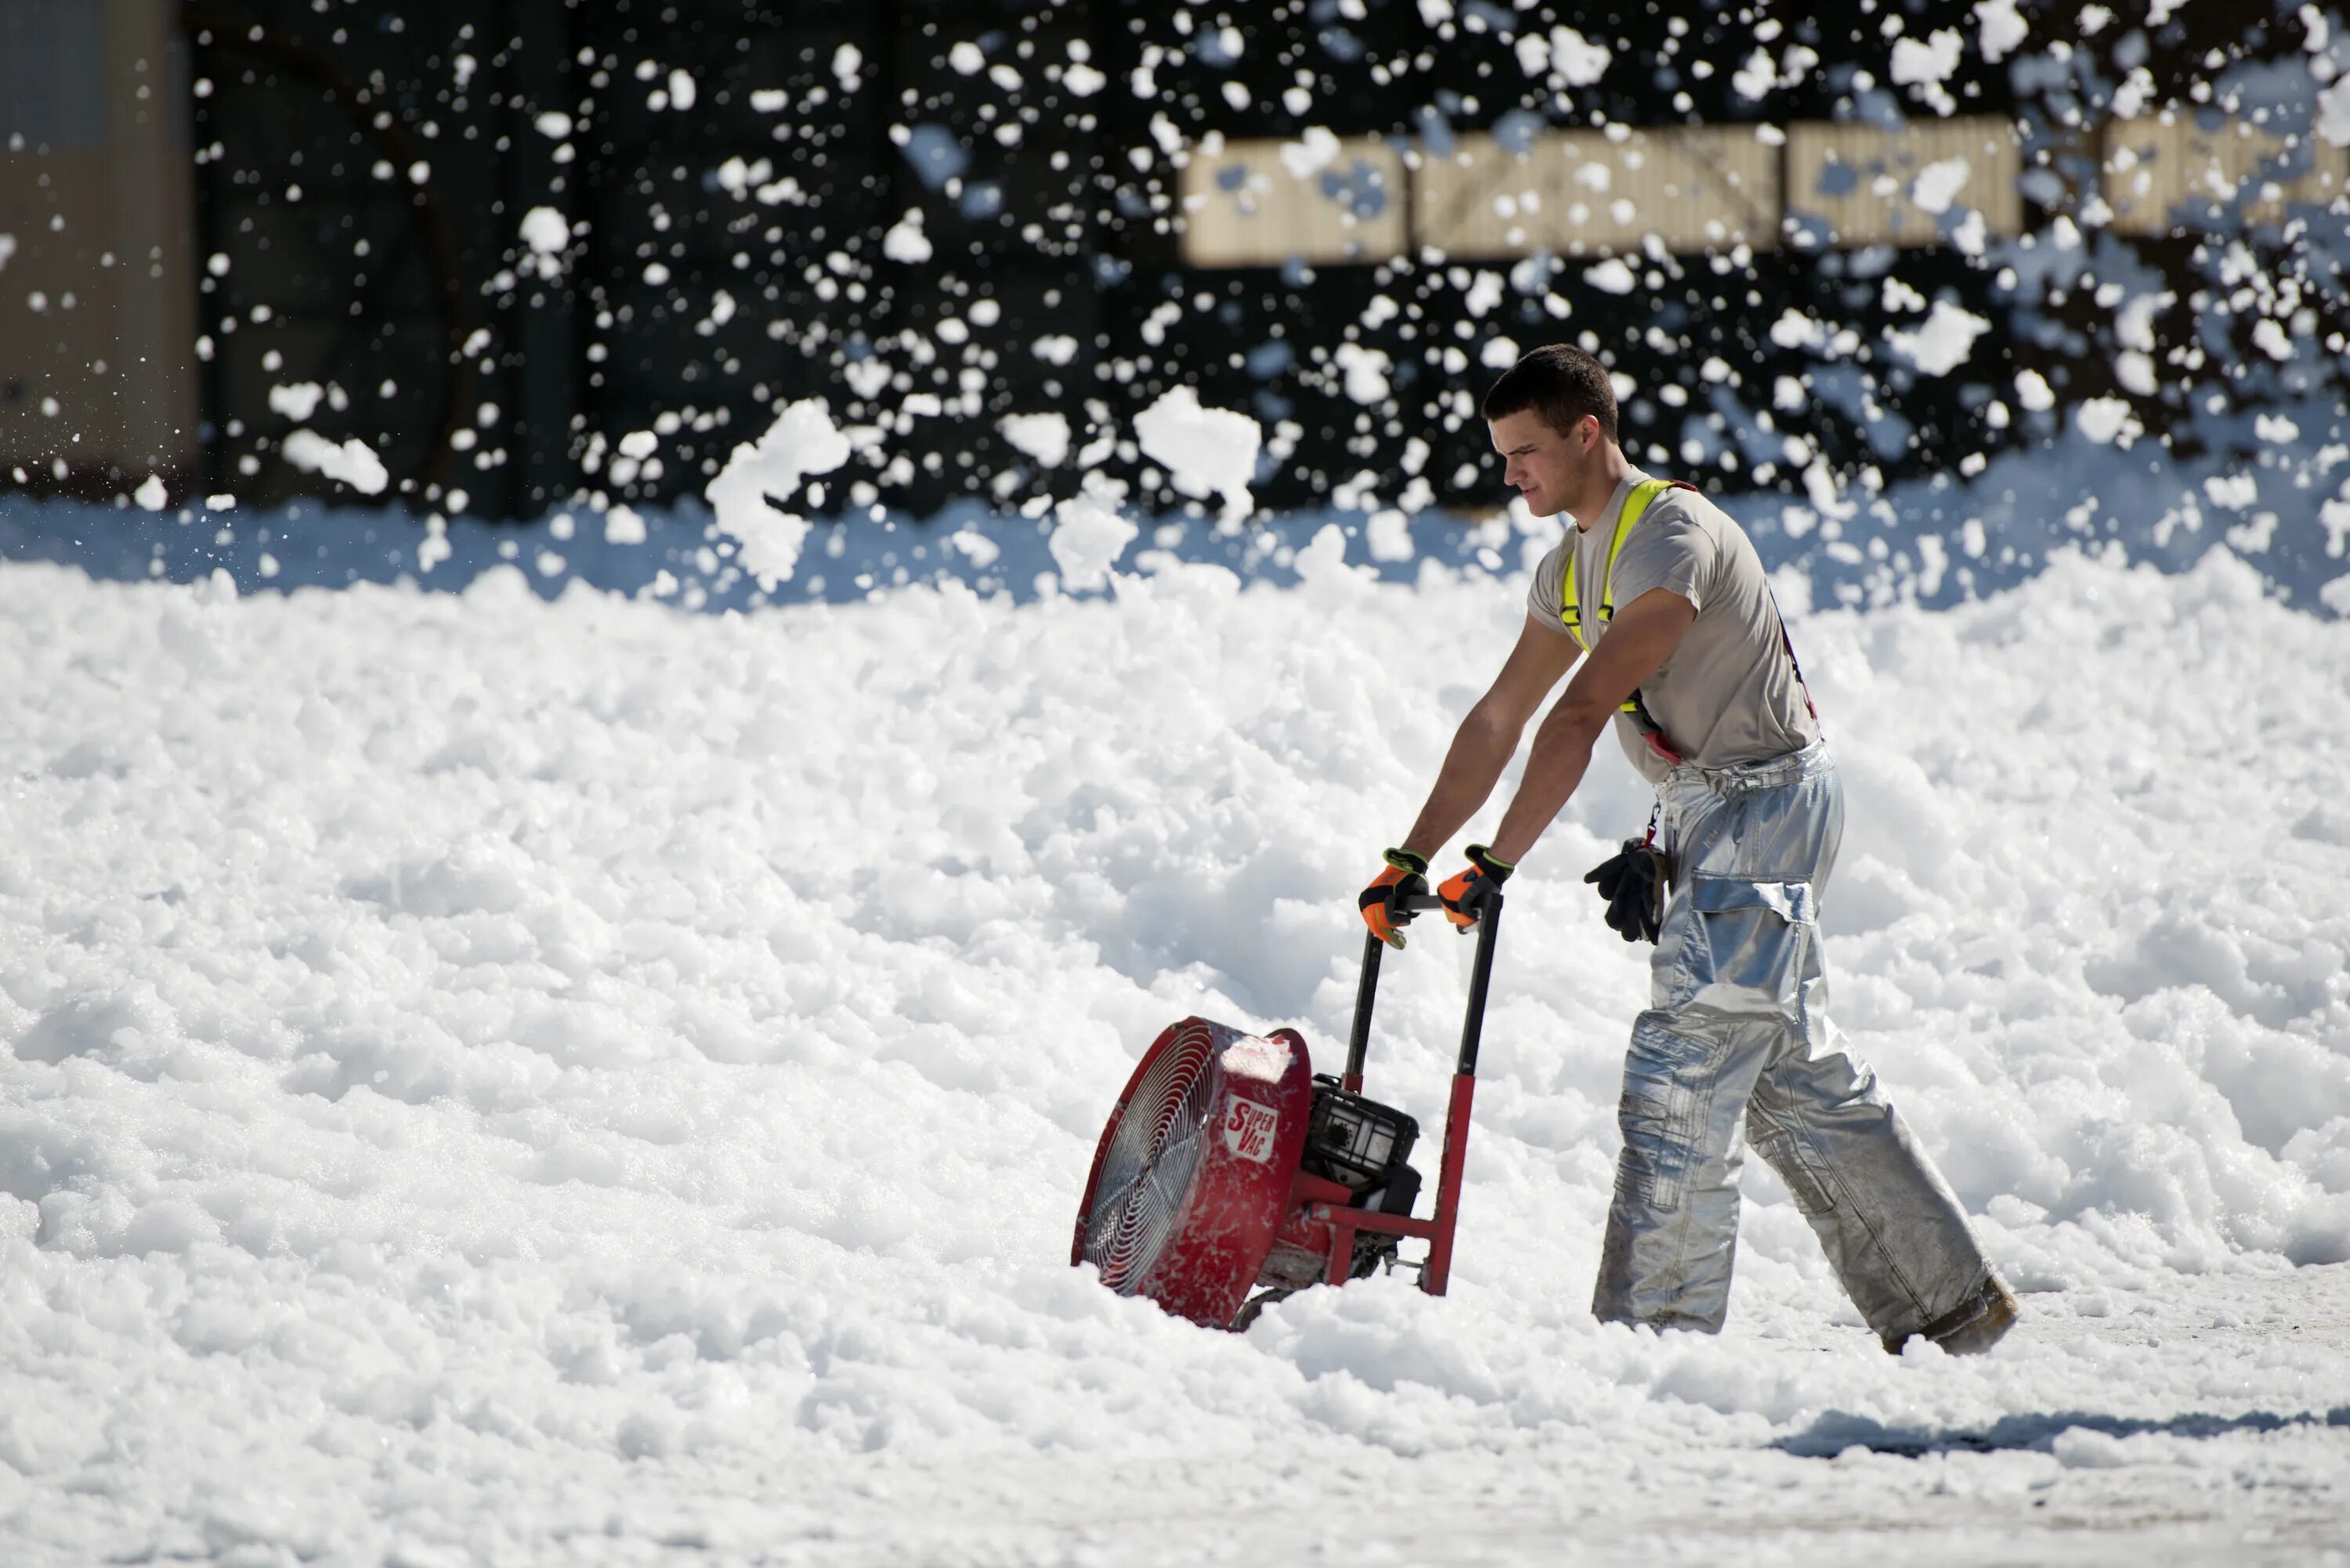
<point x="1192" y="1173"/>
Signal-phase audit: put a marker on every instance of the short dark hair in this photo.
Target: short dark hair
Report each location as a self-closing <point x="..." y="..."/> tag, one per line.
<point x="1561" y="384"/>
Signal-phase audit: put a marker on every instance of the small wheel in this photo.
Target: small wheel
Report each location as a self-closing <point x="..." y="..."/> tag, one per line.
<point x="1256" y="1305"/>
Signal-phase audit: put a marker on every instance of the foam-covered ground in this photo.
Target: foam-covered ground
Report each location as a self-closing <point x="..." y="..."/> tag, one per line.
<point x="488" y="1081"/>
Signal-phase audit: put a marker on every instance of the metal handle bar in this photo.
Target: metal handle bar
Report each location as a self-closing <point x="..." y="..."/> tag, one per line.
<point x="1481" y="976"/>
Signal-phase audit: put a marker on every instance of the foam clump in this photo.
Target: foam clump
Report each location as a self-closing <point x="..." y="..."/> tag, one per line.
<point x="1045" y="437"/>
<point x="1206" y="452"/>
<point x="749" y="494"/>
<point x="350" y="461"/>
<point x="1088" y="535"/>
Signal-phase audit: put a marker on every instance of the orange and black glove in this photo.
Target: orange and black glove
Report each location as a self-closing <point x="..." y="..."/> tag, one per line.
<point x="1467" y="895"/>
<point x="1382" y="902"/>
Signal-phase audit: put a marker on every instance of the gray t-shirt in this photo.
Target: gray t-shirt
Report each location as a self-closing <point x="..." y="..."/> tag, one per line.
<point x="1730" y="693"/>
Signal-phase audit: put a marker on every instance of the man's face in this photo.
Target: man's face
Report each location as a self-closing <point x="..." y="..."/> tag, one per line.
<point x="1542" y="463"/>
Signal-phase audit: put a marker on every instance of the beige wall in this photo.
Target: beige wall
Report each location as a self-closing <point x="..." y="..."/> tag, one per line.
<point x="2154" y="167"/>
<point x="1578" y="193"/>
<point x="1699" y="188"/>
<point x="1872" y="203"/>
<point x="1246" y="205"/>
<point x="96" y="192"/>
<point x="1592" y="192"/>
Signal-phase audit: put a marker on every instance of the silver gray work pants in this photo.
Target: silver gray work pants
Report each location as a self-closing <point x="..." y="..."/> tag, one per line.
<point x="1736" y="1046"/>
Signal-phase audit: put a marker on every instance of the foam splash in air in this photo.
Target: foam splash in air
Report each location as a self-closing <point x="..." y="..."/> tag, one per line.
<point x="1943" y="342"/>
<point x="749" y="494"/>
<point x="1207" y="452"/>
<point x="548" y="234"/>
<point x="1089" y="534"/>
<point x="1045" y="437"/>
<point x="352" y="462"/>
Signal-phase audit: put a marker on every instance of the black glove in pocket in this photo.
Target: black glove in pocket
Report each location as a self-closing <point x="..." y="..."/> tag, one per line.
<point x="1633" y="881"/>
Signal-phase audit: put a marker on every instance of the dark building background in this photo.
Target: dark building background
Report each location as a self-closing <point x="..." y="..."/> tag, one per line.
<point x="361" y="174"/>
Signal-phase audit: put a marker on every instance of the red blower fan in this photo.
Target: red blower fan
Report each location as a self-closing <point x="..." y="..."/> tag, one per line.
<point x="1228" y="1165"/>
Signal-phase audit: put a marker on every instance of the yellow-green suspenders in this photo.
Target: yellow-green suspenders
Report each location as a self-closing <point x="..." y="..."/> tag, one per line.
<point x="1636" y="506"/>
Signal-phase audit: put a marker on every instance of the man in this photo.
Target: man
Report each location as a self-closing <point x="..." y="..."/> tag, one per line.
<point x="1663" y="599"/>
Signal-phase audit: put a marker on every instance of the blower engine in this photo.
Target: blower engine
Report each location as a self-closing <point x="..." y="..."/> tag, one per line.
<point x="1228" y="1165"/>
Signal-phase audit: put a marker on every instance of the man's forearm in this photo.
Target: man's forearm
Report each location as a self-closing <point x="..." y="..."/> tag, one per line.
<point x="1481" y="749"/>
<point x="1562" y="754"/>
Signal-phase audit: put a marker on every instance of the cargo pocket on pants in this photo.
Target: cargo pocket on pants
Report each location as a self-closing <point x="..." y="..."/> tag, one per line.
<point x="1740" y="949"/>
<point x="1667" y="1077"/>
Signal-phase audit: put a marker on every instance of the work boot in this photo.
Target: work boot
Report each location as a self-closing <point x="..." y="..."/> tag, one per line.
<point x="1972" y="1327"/>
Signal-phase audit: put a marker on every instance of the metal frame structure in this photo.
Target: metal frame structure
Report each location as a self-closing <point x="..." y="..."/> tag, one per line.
<point x="1332" y="1207"/>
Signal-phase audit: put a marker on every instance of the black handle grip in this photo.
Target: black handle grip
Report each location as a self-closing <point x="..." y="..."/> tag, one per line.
<point x="1358" y="1040"/>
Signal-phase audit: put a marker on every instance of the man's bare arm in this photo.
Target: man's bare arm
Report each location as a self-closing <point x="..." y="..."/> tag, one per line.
<point x="1488" y="737"/>
<point x="1638" y="641"/>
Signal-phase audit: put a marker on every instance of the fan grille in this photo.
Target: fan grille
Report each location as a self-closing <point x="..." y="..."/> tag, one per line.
<point x="1150" y="1162"/>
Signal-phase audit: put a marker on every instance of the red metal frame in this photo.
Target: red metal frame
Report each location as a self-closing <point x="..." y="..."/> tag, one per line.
<point x="1343" y="1219"/>
<point x="1439" y="1272"/>
<point x="1334" y="1208"/>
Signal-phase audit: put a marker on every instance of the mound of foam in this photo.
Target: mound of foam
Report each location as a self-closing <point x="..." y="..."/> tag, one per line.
<point x="481" y="1073"/>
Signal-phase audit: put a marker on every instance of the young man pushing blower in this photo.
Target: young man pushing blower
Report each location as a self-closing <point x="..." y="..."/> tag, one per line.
<point x="1661" y="597"/>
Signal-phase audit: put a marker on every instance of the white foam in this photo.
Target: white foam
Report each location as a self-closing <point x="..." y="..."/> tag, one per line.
<point x="545" y="230"/>
<point x="802" y="443"/>
<point x="1937" y="184"/>
<point x="622" y="525"/>
<point x="1363" y="372"/>
<point x="1611" y="276"/>
<point x="1045" y="437"/>
<point x="1088" y="535"/>
<point x="298" y="402"/>
<point x="1206" y="452"/>
<point x="1311" y="153"/>
<point x="1929" y="60"/>
<point x="1943" y="341"/>
<point x="572" y="1072"/>
<point x="905" y="242"/>
<point x="2332" y="114"/>
<point x="2002" y="28"/>
<point x="1793" y="329"/>
<point x="1577" y="58"/>
<point x="2106" y="419"/>
<point x="350" y="461"/>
